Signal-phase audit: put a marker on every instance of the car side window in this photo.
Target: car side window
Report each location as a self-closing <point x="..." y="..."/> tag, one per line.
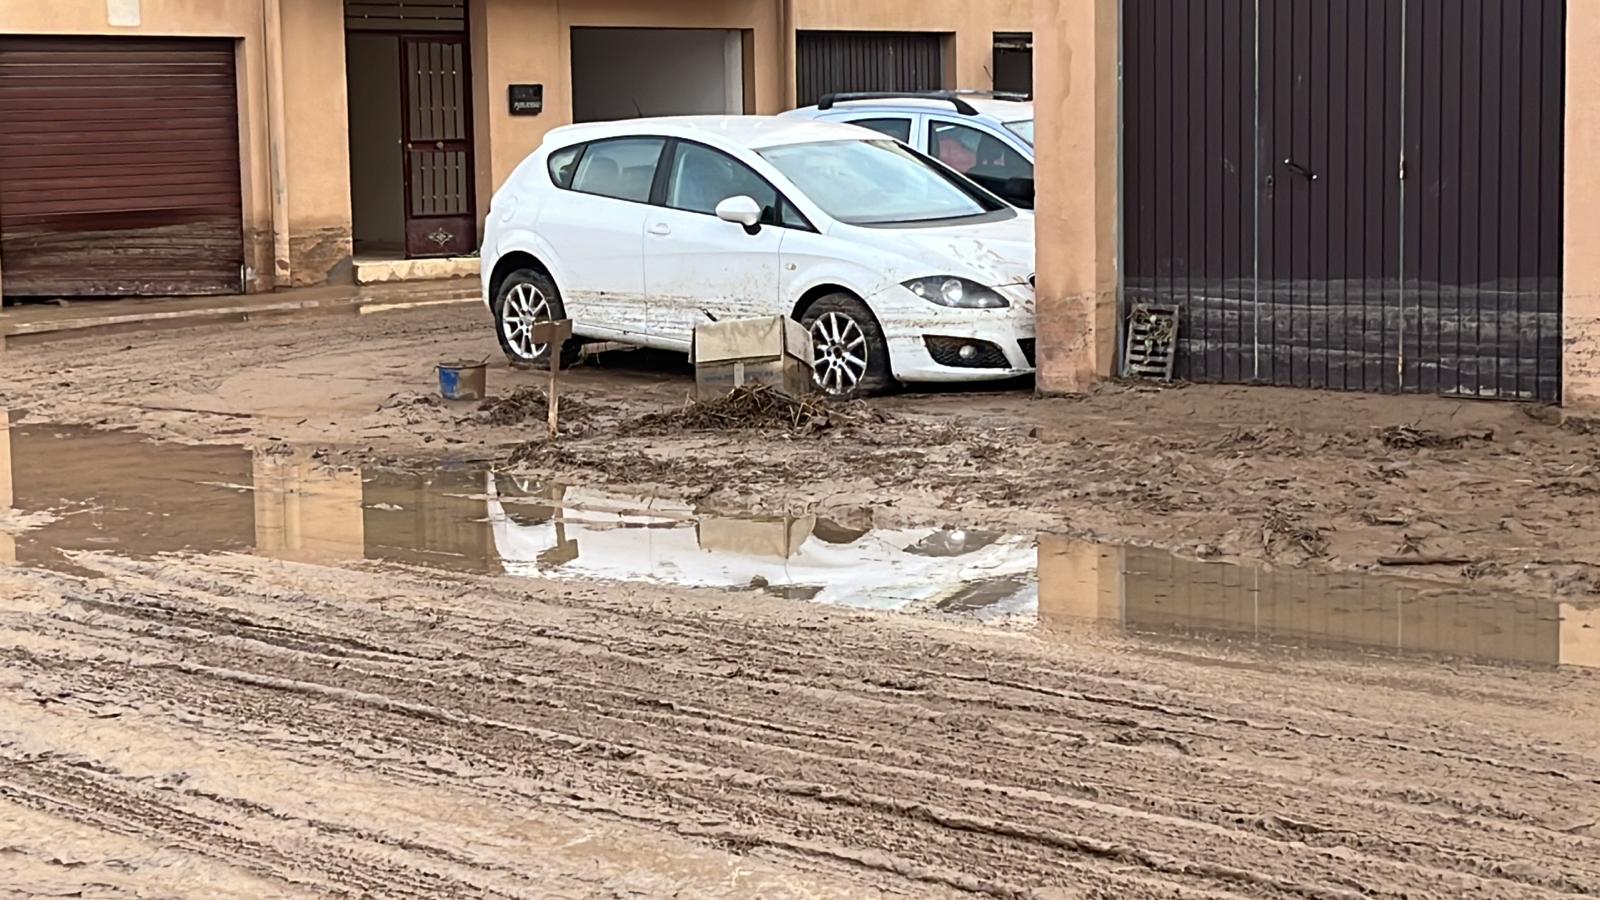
<point x="622" y="168"/>
<point x="897" y="128"/>
<point x="984" y="158"/>
<point x="701" y="178"/>
<point x="974" y="152"/>
<point x="790" y="217"/>
<point x="562" y="165"/>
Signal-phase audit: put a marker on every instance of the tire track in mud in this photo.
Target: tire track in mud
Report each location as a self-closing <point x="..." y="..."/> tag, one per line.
<point x="983" y="766"/>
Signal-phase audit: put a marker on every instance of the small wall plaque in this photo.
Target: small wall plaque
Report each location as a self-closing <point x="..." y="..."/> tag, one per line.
<point x="527" y="99"/>
<point x="123" y="13"/>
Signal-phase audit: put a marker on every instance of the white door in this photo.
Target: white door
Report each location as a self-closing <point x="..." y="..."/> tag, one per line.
<point x="699" y="268"/>
<point x="598" y="234"/>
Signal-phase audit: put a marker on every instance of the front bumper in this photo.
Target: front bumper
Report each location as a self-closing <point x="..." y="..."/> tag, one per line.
<point x="920" y="335"/>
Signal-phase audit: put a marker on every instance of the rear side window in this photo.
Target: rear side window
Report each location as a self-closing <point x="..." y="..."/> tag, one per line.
<point x="563" y="164"/>
<point x="899" y="129"/>
<point x="623" y="168"/>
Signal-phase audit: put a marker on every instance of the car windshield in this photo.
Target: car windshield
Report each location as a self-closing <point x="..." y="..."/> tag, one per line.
<point x="874" y="183"/>
<point x="1022" y="129"/>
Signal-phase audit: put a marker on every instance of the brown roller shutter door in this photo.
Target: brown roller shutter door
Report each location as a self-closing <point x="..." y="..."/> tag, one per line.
<point x="833" y="61"/>
<point x="119" y="167"/>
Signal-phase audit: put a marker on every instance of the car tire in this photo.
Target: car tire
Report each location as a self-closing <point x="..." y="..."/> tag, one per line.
<point x="527" y="296"/>
<point x="841" y="327"/>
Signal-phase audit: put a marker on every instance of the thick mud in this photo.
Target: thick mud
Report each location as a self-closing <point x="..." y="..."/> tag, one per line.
<point x="228" y="725"/>
<point x="1499" y="496"/>
<point x="339" y="644"/>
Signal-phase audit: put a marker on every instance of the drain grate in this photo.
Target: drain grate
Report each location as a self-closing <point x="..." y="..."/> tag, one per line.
<point x="1152" y="342"/>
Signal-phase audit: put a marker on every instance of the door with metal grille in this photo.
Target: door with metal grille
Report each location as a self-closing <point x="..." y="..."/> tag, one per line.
<point x="833" y="61"/>
<point x="438" y="146"/>
<point x="1350" y="194"/>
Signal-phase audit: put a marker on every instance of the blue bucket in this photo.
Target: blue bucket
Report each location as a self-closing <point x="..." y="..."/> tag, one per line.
<point x="463" y="380"/>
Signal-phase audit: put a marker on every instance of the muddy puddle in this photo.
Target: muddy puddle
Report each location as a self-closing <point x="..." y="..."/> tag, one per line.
<point x="65" y="490"/>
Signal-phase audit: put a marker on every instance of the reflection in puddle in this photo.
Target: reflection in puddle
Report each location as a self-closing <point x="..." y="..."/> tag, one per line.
<point x="1151" y="591"/>
<point x="117" y="491"/>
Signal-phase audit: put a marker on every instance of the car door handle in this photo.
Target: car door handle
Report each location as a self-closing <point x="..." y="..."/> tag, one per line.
<point x="661" y="228"/>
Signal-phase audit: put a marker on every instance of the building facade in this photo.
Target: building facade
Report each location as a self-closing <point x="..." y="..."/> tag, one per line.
<point x="160" y="147"/>
<point x="1315" y="187"/>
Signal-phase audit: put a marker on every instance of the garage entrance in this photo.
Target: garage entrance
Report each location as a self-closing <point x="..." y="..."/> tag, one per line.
<point x="411" y="175"/>
<point x="119" y="167"/>
<point x="1350" y="194"/>
<point x="833" y="61"/>
<point x="1013" y="63"/>
<point x="626" y="73"/>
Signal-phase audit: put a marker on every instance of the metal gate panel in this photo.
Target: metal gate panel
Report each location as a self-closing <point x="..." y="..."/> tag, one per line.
<point x="832" y="61"/>
<point x="1331" y="305"/>
<point x="119" y="167"/>
<point x="1483" y="208"/>
<point x="1350" y="194"/>
<point x="1189" y="176"/>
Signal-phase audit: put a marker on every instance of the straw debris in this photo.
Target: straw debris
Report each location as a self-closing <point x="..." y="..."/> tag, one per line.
<point x="762" y="408"/>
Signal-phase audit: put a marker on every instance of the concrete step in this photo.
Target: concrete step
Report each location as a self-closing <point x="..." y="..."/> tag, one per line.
<point x="391" y="271"/>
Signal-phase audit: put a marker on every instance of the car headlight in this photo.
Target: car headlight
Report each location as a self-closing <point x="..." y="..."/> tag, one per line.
<point x="959" y="293"/>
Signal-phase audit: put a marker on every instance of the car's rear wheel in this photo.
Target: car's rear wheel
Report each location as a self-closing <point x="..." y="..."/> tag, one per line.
<point x="526" y="298"/>
<point x="850" y="355"/>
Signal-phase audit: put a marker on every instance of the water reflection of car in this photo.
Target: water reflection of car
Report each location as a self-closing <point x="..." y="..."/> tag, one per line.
<point x="589" y="533"/>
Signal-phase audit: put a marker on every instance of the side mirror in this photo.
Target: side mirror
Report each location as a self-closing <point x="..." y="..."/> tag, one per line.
<point x="741" y="210"/>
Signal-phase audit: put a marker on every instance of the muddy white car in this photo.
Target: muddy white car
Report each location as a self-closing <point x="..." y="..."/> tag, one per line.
<point x="638" y="231"/>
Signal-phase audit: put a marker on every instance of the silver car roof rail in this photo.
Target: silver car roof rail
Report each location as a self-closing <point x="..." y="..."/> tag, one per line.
<point x="828" y="101"/>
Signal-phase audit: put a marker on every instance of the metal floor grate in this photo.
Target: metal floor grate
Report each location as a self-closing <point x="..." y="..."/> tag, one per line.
<point x="1152" y="347"/>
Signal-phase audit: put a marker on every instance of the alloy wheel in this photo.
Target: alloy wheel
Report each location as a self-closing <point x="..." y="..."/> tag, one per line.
<point x="525" y="305"/>
<point x="839" y="350"/>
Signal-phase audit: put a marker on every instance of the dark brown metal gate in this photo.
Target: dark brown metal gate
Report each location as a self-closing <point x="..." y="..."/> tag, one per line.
<point x="438" y="149"/>
<point x="833" y="61"/>
<point x="119" y="167"/>
<point x="1350" y="194"/>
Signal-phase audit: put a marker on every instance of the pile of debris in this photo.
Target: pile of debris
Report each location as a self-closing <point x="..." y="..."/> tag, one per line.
<point x="1281" y="530"/>
<point x="760" y="407"/>
<point x="529" y="404"/>
<point x="1405" y="437"/>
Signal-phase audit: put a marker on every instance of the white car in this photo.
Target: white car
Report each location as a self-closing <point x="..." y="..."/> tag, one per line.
<point x="985" y="136"/>
<point x="638" y="231"/>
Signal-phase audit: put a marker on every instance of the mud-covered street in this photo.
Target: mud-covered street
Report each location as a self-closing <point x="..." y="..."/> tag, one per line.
<point x="276" y="622"/>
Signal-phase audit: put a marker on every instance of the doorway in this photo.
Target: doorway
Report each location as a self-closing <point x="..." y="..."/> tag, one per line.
<point x="627" y="73"/>
<point x="411" y="153"/>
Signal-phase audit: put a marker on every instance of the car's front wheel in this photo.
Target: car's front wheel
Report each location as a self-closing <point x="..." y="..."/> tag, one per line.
<point x="526" y="298"/>
<point x="850" y="358"/>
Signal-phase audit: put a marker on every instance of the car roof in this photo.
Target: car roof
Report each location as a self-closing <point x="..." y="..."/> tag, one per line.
<point x="995" y="108"/>
<point x="754" y="132"/>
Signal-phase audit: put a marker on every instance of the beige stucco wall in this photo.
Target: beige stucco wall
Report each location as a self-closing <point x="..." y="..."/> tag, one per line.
<point x="319" y="205"/>
<point x="1581" y="278"/>
<point x="530" y="41"/>
<point x="1075" y="79"/>
<point x="316" y="141"/>
<point x="973" y="23"/>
